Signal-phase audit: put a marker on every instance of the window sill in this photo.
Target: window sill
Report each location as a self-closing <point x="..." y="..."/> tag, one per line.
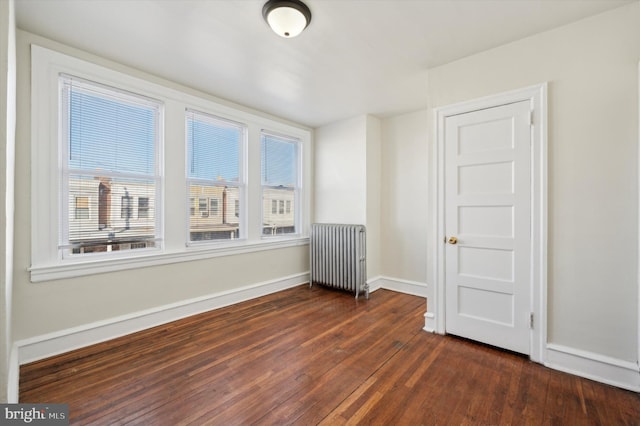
<point x="78" y="269"/>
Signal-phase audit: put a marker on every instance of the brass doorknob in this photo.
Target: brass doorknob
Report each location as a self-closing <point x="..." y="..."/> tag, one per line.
<point x="452" y="240"/>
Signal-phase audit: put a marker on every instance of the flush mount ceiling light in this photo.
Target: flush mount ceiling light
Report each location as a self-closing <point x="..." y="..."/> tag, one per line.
<point x="287" y="18"/>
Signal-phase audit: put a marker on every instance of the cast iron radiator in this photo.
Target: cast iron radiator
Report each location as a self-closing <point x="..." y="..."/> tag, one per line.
<point x="338" y="257"/>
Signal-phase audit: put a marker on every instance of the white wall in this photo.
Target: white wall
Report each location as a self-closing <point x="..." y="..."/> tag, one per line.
<point x="340" y="186"/>
<point x="591" y="67"/>
<point x="7" y="154"/>
<point x="374" y="179"/>
<point x="405" y="177"/>
<point x="57" y="306"/>
<point x="347" y="164"/>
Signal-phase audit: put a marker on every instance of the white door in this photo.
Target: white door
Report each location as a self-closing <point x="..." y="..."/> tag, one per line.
<point x="488" y="225"/>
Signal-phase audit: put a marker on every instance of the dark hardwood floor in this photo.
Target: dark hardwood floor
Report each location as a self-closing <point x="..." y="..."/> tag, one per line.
<point x="315" y="356"/>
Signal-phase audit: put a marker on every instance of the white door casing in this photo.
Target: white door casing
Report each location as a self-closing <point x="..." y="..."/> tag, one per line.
<point x="487" y="225"/>
<point x="536" y="96"/>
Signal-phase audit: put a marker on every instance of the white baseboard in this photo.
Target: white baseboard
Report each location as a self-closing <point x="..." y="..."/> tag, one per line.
<point x="414" y="288"/>
<point x="44" y="346"/>
<point x="593" y="366"/>
<point x="429" y="322"/>
<point x="374" y="284"/>
<point x="612" y="371"/>
<point x="13" y="376"/>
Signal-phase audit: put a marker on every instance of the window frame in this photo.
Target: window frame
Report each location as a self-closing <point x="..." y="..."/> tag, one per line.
<point x="214" y="206"/>
<point x="85" y="210"/>
<point x="143" y="207"/>
<point x="240" y="185"/>
<point x="278" y="205"/>
<point x="67" y="83"/>
<point x="204" y="212"/>
<point x="46" y="261"/>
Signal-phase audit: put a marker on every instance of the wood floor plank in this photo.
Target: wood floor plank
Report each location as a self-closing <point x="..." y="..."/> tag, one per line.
<point x="308" y="356"/>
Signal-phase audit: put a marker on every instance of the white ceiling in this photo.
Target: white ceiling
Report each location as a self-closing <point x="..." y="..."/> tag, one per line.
<point x="356" y="56"/>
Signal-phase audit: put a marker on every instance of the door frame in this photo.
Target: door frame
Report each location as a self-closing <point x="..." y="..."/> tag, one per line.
<point x="537" y="97"/>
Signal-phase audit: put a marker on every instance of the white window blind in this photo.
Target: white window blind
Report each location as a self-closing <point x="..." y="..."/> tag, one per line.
<point x="110" y="186"/>
<point x="280" y="184"/>
<point x="215" y="165"/>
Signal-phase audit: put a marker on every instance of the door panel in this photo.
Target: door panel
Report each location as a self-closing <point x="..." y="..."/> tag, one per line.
<point x="487" y="209"/>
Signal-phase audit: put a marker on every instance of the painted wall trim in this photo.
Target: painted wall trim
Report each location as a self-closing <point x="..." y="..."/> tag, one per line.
<point x="604" y="369"/>
<point x="414" y="288"/>
<point x="13" y="376"/>
<point x="429" y="322"/>
<point x="638" y="210"/>
<point x="623" y="374"/>
<point x="537" y="96"/>
<point x="51" y="344"/>
<point x="78" y="269"/>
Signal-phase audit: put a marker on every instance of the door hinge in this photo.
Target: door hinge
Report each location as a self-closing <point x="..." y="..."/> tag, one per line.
<point x="531" y="117"/>
<point x="531" y="320"/>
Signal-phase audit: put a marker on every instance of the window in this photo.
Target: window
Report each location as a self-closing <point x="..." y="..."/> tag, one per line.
<point x="215" y="164"/>
<point x="202" y="207"/>
<point x="213" y="206"/>
<point x="98" y="197"/>
<point x="82" y="208"/>
<point x="143" y="207"/>
<point x="109" y="140"/>
<point x="280" y="184"/>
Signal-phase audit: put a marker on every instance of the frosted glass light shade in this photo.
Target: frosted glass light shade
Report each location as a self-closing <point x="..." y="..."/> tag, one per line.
<point x="287" y="18"/>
